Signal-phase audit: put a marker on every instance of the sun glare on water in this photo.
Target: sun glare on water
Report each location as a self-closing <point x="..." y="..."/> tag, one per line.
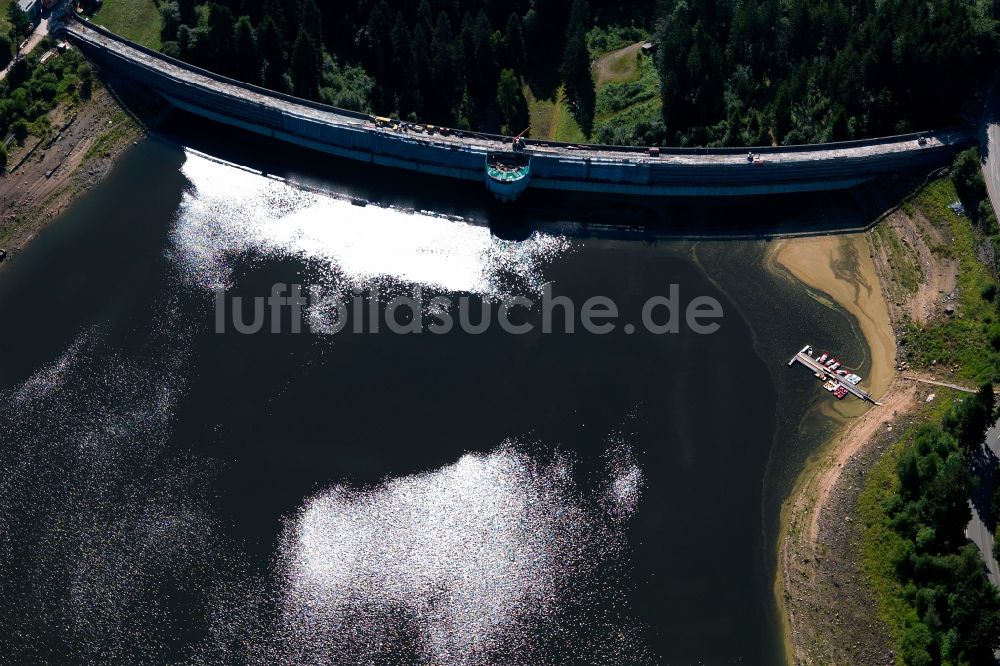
<point x="230" y="212"/>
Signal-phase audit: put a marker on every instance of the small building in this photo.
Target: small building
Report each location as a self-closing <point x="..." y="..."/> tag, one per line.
<point x="33" y="8"/>
<point x="648" y="48"/>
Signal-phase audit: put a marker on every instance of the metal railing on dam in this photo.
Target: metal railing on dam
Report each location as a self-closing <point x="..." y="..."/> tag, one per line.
<point x="552" y="165"/>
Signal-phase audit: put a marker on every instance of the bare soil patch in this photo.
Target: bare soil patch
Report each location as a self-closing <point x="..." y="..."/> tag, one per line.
<point x="48" y="174"/>
<point x="918" y="241"/>
<point x="617" y="66"/>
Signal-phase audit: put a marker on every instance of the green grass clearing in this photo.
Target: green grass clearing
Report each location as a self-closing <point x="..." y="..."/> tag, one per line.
<point x="617" y="67"/>
<point x="632" y="99"/>
<point x="552" y="119"/>
<point x="137" y="20"/>
<point x="903" y="259"/>
<point x="624" y="105"/>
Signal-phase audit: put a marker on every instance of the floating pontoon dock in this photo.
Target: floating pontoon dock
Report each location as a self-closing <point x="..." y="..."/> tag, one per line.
<point x="821" y="371"/>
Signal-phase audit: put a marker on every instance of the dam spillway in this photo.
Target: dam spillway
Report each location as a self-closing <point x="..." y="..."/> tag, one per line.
<point x="553" y="166"/>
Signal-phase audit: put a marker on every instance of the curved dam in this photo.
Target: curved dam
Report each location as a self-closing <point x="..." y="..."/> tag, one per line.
<point x="506" y="169"/>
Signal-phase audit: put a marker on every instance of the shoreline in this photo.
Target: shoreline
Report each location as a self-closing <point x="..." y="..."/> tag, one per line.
<point x="850" y="279"/>
<point x="837" y="268"/>
<point x="841" y="268"/>
<point x="50" y="173"/>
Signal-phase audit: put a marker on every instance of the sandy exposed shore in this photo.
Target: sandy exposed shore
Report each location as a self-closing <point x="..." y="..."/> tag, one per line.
<point x="810" y="569"/>
<point x="841" y="267"/>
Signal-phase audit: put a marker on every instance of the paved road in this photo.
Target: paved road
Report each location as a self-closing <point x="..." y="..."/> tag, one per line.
<point x="980" y="534"/>
<point x="990" y="150"/>
<point x="41" y="31"/>
<point x="990" y="146"/>
<point x="604" y="67"/>
<point x="977" y="530"/>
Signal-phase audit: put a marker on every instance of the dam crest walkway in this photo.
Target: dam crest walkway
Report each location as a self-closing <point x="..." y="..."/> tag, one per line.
<point x="550" y="165"/>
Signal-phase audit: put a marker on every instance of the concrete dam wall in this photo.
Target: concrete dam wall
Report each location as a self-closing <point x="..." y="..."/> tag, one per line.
<point x="549" y="165"/>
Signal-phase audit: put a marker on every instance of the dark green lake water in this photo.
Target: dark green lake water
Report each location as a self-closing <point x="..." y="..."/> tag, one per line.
<point x="173" y="493"/>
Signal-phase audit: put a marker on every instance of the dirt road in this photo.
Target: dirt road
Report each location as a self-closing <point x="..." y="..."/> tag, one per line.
<point x="617" y="65"/>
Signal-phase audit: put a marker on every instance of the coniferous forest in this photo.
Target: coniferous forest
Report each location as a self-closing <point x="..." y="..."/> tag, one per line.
<point x="746" y="72"/>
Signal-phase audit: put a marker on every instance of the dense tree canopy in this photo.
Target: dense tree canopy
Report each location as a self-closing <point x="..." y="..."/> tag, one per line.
<point x="955" y="616"/>
<point x="6" y="50"/>
<point x="576" y="65"/>
<point x="731" y="73"/>
<point x="19" y="20"/>
<point x="512" y="103"/>
<point x="431" y="60"/>
<point x="801" y="71"/>
<point x="31" y="89"/>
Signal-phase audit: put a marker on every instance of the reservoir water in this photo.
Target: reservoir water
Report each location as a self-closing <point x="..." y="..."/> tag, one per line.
<point x="171" y="492"/>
